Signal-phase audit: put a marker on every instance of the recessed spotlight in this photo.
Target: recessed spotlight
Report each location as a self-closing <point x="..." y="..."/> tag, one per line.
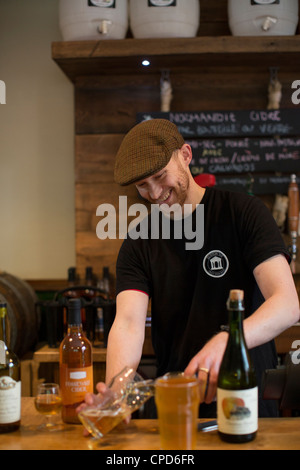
<point x="146" y="63"/>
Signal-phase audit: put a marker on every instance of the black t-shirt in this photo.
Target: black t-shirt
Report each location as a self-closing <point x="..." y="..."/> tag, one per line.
<point x="189" y="288"/>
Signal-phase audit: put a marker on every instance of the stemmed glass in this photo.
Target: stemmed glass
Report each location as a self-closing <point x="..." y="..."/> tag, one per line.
<point x="48" y="402"/>
<point x="126" y="393"/>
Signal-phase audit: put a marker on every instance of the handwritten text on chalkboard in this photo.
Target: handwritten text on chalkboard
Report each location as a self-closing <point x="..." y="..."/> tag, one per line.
<point x="232" y="123"/>
<point x="245" y="155"/>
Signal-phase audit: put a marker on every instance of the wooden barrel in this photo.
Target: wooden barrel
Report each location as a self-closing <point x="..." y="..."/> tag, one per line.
<point x="22" y="324"/>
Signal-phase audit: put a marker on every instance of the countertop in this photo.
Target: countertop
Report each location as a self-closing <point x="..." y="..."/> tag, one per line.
<point x="140" y="434"/>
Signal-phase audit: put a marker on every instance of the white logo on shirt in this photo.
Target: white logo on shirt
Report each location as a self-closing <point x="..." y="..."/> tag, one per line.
<point x="215" y="263"/>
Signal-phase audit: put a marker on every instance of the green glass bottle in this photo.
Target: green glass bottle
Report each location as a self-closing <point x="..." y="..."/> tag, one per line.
<point x="237" y="393"/>
<point x="10" y="383"/>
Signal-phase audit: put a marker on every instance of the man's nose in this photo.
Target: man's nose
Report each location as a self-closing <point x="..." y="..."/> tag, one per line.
<point x="155" y="191"/>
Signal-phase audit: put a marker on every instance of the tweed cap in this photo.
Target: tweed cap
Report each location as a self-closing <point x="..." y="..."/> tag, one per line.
<point x="146" y="149"/>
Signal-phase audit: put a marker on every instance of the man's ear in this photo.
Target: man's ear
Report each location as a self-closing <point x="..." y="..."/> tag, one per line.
<point x="187" y="154"/>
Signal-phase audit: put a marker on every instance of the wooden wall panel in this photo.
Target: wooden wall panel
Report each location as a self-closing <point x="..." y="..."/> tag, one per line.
<point x="105" y="111"/>
<point x="90" y="250"/>
<point x="94" y="156"/>
<point x="213" y="18"/>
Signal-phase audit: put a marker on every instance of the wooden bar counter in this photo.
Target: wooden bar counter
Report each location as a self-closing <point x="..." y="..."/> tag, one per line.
<point x="274" y="434"/>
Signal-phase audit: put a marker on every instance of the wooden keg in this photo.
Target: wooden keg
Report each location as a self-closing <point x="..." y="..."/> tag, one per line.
<point x="22" y="324"/>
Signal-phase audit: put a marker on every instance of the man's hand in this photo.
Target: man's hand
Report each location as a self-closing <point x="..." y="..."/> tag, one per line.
<point x="206" y="363"/>
<point x="90" y="399"/>
<point x="104" y="396"/>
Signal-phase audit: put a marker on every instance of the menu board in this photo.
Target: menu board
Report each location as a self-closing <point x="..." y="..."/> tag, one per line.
<point x="235" y="144"/>
<point x="232" y="123"/>
<point x="245" y="155"/>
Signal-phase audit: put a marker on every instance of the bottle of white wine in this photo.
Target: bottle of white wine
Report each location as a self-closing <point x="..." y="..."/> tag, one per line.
<point x="237" y="393"/>
<point x="10" y="383"/>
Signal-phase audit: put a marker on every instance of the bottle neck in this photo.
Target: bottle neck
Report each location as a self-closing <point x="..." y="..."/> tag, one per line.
<point x="3" y="347"/>
<point x="236" y="330"/>
<point x="2" y="324"/>
<point x="74" y="329"/>
<point x="74" y="321"/>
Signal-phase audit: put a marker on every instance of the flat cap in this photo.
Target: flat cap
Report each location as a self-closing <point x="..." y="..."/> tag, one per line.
<point x="146" y="149"/>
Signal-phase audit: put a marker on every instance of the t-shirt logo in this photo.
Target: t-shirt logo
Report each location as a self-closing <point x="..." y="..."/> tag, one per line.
<point x="215" y="263"/>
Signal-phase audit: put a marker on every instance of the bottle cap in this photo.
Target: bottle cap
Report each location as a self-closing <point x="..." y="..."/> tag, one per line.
<point x="74" y="311"/>
<point x="236" y="300"/>
<point x="236" y="295"/>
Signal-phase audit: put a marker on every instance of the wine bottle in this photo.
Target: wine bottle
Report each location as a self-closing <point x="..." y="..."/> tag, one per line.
<point x="76" y="367"/>
<point x="10" y="383"/>
<point x="237" y="394"/>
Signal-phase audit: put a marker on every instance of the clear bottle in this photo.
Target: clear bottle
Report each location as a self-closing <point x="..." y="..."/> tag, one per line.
<point x="237" y="394"/>
<point x="10" y="383"/>
<point x="76" y="367"/>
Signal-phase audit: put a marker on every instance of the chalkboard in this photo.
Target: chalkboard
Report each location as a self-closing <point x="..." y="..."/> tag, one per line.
<point x="232" y="123"/>
<point x="261" y="184"/>
<point x="245" y="155"/>
<point x="235" y="144"/>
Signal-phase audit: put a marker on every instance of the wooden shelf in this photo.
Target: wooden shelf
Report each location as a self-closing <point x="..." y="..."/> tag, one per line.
<point x="111" y="57"/>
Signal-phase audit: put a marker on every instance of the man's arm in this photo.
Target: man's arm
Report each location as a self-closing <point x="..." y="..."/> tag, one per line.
<point x="279" y="311"/>
<point x="281" y="307"/>
<point x="126" y="337"/>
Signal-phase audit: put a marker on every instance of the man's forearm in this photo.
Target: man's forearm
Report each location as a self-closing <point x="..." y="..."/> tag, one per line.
<point x="274" y="316"/>
<point x="124" y="348"/>
<point x="281" y="307"/>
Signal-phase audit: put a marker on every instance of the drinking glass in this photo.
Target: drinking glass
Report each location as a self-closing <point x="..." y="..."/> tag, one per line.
<point x="126" y="393"/>
<point x="177" y="398"/>
<point x="48" y="402"/>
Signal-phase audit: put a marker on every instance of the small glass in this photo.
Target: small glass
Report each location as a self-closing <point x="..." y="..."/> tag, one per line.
<point x="126" y="393"/>
<point x="48" y="402"/>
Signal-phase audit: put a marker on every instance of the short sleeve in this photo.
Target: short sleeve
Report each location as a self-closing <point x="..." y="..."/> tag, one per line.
<point x="132" y="268"/>
<point x="261" y="238"/>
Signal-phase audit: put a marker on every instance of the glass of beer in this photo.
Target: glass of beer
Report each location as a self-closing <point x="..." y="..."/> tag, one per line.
<point x="48" y="402"/>
<point x="177" y="399"/>
<point x="126" y="393"/>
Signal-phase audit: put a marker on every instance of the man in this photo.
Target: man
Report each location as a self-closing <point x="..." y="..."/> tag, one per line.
<point x="188" y="288"/>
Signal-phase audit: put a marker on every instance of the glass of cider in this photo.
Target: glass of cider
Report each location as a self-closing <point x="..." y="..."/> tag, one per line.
<point x="48" y="402"/>
<point x="177" y="399"/>
<point x="127" y="392"/>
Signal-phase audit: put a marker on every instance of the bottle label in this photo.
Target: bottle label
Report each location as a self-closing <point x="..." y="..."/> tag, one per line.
<point x="10" y="400"/>
<point x="75" y="383"/>
<point x="162" y="3"/>
<point x="102" y="3"/>
<point x="264" y="2"/>
<point x="237" y="411"/>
